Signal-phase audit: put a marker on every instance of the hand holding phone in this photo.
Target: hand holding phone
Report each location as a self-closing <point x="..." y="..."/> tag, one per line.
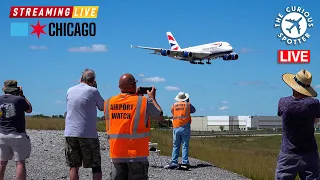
<point x="144" y="90"/>
<point x="20" y="91"/>
<point x="95" y="84"/>
<point x="152" y="93"/>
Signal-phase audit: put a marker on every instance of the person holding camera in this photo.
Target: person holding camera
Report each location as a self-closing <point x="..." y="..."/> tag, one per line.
<point x="181" y="111"/>
<point x="128" y="128"/>
<point x="82" y="145"/>
<point x="299" y="112"/>
<point x="14" y="141"/>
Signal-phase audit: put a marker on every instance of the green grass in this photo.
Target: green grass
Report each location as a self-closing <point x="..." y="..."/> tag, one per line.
<point x="253" y="157"/>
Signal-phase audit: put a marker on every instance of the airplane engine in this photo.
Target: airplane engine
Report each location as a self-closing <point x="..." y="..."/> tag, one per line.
<point x="234" y="56"/>
<point x="165" y="52"/>
<point x="227" y="57"/>
<point x="186" y="54"/>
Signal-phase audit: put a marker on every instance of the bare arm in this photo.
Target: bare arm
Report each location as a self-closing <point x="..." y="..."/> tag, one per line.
<point x="154" y="110"/>
<point x="28" y="108"/>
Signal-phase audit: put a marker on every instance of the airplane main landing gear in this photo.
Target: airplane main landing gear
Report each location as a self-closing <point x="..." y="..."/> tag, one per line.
<point x="200" y="62"/>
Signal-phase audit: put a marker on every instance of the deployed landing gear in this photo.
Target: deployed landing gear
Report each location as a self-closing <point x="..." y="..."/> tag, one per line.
<point x="200" y="62"/>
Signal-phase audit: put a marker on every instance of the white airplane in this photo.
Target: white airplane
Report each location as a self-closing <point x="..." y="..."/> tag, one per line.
<point x="195" y="53"/>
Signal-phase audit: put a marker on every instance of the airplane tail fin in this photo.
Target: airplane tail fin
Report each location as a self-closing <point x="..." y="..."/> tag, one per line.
<point x="289" y="30"/>
<point x="173" y="43"/>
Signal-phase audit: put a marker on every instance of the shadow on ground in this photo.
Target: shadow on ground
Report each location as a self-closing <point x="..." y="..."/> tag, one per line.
<point x="191" y="166"/>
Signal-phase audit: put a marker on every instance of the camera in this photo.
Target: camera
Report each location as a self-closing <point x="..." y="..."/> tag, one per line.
<point x="144" y="90"/>
<point x="95" y="84"/>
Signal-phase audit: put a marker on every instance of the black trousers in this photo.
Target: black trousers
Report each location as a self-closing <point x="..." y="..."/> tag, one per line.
<point x="130" y="171"/>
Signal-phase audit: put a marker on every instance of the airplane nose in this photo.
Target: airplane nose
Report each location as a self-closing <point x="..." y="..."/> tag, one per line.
<point x="231" y="48"/>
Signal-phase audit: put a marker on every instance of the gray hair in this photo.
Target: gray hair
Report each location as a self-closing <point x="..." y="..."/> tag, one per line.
<point x="88" y="76"/>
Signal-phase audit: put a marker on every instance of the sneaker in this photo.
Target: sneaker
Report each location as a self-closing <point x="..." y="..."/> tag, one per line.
<point x="185" y="166"/>
<point x="171" y="166"/>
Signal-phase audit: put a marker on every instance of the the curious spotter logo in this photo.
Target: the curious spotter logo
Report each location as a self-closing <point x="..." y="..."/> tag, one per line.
<point x="294" y="25"/>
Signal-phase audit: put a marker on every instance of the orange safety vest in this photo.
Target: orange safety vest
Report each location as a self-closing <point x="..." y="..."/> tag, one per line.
<point x="181" y="114"/>
<point x="128" y="127"/>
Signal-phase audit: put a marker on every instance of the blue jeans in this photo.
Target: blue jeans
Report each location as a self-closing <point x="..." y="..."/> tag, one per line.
<point x="181" y="135"/>
<point x="305" y="165"/>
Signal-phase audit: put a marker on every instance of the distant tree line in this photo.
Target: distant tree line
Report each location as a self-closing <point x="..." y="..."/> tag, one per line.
<point x="154" y="123"/>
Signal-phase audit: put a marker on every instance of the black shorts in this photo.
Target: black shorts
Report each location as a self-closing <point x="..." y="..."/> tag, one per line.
<point x="130" y="171"/>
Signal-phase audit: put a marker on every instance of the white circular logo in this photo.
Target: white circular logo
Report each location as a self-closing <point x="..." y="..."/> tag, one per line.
<point x="294" y="25"/>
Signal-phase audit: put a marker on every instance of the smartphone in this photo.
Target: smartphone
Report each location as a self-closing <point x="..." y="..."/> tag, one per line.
<point x="144" y="90"/>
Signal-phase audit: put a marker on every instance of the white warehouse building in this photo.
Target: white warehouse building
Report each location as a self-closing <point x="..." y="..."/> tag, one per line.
<point x="234" y="123"/>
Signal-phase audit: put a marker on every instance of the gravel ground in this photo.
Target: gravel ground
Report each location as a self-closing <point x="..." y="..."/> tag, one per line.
<point x="47" y="161"/>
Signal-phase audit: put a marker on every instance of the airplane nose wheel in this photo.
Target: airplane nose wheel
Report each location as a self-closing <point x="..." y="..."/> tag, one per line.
<point x="208" y="62"/>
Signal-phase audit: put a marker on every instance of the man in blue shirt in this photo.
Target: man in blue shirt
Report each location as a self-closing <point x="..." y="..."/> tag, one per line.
<point x="82" y="143"/>
<point x="299" y="112"/>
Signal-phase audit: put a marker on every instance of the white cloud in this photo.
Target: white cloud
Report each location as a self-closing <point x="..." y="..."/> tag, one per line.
<point x="59" y="102"/>
<point x="224" y="102"/>
<point x="38" y="47"/>
<point x="171" y="88"/>
<point x="201" y="109"/>
<point x="154" y="79"/>
<point x="141" y="75"/>
<point x="246" y="50"/>
<point x="224" y="108"/>
<point x="317" y="86"/>
<point x="93" y="48"/>
<point x="59" y="90"/>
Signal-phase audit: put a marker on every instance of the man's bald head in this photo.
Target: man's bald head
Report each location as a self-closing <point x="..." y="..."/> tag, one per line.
<point x="88" y="76"/>
<point x="127" y="83"/>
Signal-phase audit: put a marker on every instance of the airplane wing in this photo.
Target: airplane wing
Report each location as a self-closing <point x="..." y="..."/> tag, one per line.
<point x="178" y="53"/>
<point x="149" y="48"/>
<point x="290" y="20"/>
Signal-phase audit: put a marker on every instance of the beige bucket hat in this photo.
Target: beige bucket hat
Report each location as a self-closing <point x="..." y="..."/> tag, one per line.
<point x="301" y="82"/>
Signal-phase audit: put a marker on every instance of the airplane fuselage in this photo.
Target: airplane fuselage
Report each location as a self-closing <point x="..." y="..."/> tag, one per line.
<point x="216" y="50"/>
<point x="195" y="53"/>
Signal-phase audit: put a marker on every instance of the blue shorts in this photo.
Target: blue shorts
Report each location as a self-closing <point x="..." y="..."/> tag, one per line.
<point x="306" y="165"/>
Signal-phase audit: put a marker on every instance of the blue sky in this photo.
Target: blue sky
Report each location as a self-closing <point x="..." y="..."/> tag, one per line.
<point x="252" y="85"/>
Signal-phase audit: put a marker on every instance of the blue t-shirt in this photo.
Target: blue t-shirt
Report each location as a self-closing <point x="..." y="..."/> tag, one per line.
<point x="298" y="117"/>
<point x="81" y="118"/>
<point x="12" y="117"/>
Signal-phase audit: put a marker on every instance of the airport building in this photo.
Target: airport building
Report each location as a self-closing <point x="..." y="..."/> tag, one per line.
<point x="234" y="123"/>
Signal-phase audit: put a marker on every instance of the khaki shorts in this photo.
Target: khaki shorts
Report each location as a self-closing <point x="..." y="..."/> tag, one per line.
<point x="15" y="145"/>
<point x="82" y="151"/>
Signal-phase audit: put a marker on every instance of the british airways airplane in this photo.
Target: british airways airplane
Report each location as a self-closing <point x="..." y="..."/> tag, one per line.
<point x="195" y="54"/>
